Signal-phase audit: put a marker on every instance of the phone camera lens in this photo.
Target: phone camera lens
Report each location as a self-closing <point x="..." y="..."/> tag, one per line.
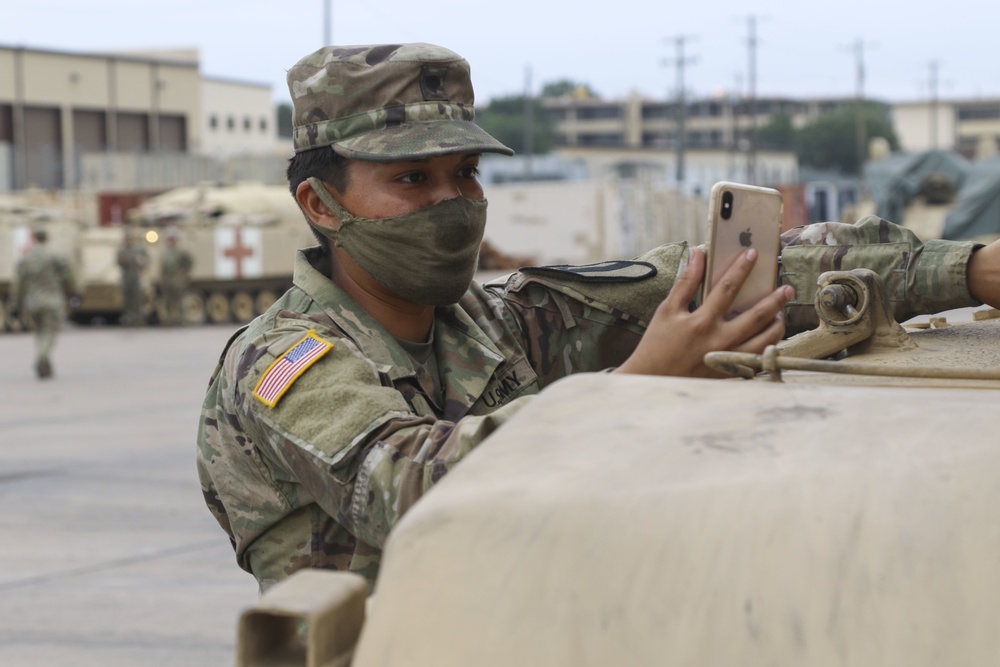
<point x="727" y="205"/>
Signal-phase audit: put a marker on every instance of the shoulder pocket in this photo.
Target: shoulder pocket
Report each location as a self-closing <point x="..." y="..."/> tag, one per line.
<point x="616" y="271"/>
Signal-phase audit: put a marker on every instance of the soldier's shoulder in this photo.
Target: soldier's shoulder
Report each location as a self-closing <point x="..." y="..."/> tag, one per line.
<point x="280" y="351"/>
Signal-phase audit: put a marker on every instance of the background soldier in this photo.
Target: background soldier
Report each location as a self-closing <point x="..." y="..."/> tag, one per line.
<point x="133" y="260"/>
<point x="44" y="281"/>
<point x="175" y="270"/>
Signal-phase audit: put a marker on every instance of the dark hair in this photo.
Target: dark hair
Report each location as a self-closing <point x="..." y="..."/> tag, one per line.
<point x="41" y="235"/>
<point x="324" y="164"/>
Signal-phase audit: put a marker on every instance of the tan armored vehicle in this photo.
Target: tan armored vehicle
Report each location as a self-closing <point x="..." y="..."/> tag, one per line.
<point x="18" y="217"/>
<point x="841" y="506"/>
<point x="242" y="239"/>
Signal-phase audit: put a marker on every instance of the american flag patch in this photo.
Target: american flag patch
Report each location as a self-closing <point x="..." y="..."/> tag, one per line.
<point x="287" y="368"/>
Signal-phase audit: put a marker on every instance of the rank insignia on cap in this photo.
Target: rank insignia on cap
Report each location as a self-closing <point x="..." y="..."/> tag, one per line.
<point x="287" y="368"/>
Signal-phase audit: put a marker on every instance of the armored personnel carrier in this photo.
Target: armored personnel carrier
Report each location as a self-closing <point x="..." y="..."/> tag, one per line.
<point x="837" y="502"/>
<point x="242" y="239"/>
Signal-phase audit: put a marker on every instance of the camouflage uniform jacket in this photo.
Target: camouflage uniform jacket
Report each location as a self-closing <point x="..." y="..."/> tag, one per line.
<point x="133" y="260"/>
<point x="175" y="267"/>
<point x="44" y="281"/>
<point x="319" y="479"/>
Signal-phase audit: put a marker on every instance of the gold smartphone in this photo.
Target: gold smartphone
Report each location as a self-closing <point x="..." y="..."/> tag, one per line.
<point x="741" y="217"/>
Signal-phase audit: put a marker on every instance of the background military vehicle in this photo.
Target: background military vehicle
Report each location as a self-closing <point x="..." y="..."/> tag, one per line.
<point x="18" y="217"/>
<point x="242" y="239"/>
<point x="840" y="507"/>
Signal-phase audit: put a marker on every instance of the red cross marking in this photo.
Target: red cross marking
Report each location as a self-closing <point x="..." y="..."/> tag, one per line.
<point x="238" y="252"/>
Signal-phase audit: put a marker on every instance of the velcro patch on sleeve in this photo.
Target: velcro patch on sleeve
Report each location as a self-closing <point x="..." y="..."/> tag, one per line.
<point x="287" y="368"/>
<point x="615" y="271"/>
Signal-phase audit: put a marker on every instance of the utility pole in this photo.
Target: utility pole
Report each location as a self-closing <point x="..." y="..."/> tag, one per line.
<point x="529" y="123"/>
<point x="934" y="103"/>
<point x="859" y="52"/>
<point x="681" y="110"/>
<point x="861" y="126"/>
<point x="733" y="99"/>
<point x="752" y="94"/>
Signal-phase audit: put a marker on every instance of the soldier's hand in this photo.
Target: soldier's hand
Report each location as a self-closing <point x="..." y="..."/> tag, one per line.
<point x="983" y="274"/>
<point x="678" y="339"/>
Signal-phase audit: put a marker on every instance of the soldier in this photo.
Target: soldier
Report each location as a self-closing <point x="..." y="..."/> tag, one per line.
<point x="175" y="271"/>
<point x="133" y="260"/>
<point x="44" y="280"/>
<point x="385" y="364"/>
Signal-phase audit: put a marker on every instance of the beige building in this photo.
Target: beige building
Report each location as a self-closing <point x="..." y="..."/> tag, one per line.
<point x="972" y="127"/>
<point x="56" y="107"/>
<point x="238" y="119"/>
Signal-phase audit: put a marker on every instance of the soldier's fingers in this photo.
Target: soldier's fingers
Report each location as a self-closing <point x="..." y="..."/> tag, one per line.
<point x="724" y="291"/>
<point x="686" y="288"/>
<point x="771" y="335"/>
<point x="762" y="314"/>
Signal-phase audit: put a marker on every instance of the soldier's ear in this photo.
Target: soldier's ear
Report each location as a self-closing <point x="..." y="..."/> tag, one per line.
<point x="314" y="208"/>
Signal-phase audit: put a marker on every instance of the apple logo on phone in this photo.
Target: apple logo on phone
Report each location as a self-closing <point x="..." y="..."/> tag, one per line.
<point x="745" y="239"/>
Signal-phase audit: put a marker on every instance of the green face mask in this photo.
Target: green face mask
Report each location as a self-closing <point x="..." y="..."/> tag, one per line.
<point x="428" y="256"/>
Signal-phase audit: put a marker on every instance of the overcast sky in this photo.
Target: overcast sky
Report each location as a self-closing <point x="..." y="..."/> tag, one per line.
<point x="615" y="46"/>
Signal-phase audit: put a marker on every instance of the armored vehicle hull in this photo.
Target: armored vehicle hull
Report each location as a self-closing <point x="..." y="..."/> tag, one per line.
<point x="847" y="513"/>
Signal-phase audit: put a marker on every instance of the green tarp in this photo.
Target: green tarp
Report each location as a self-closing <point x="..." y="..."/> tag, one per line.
<point x="896" y="180"/>
<point x="977" y="213"/>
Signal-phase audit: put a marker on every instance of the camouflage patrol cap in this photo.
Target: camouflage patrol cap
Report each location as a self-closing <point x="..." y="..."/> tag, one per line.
<point x="386" y="102"/>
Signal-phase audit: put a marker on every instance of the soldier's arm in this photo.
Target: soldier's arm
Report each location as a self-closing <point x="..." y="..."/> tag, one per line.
<point x="68" y="279"/>
<point x="920" y="277"/>
<point x="619" y="315"/>
<point x="579" y="327"/>
<point x="16" y="292"/>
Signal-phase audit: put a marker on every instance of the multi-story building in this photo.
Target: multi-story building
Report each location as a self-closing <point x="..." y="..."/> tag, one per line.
<point x="719" y="140"/>
<point x="56" y="107"/>
<point x="972" y="127"/>
<point x="719" y="123"/>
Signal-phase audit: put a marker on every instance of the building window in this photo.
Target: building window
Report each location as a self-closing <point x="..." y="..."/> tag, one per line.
<point x="601" y="140"/>
<point x="657" y="140"/>
<point x="595" y="113"/>
<point x="247" y="124"/>
<point x="230" y="123"/>
<point x="263" y="125"/>
<point x="656" y="111"/>
<point x="979" y="113"/>
<point x="213" y="121"/>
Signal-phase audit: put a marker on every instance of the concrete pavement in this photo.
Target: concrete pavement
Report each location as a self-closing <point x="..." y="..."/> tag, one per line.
<point x="108" y="555"/>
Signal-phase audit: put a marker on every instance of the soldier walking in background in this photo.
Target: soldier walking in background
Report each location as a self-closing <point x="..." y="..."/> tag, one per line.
<point x="133" y="260"/>
<point x="44" y="281"/>
<point x="175" y="271"/>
